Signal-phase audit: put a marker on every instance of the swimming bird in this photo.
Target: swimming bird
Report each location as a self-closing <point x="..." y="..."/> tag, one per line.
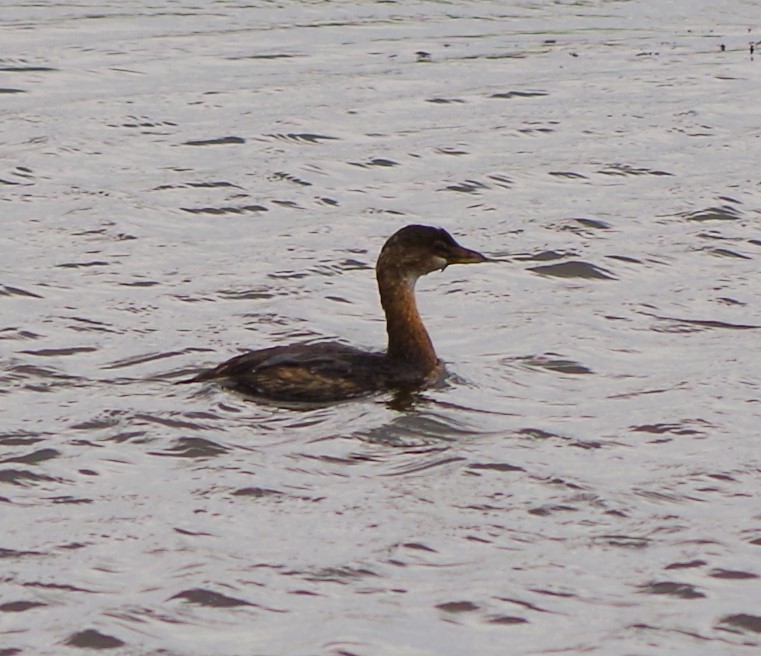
<point x="332" y="371"/>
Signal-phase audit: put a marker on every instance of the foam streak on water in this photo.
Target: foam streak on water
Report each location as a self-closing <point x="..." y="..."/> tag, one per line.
<point x="180" y="181"/>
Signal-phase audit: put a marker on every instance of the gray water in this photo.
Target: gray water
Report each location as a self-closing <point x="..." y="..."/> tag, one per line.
<point x="181" y="181"/>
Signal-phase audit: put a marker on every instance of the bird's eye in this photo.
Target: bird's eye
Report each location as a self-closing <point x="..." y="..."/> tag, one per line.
<point x="440" y="247"/>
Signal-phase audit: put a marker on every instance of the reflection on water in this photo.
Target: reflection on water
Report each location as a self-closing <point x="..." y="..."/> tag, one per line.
<point x="185" y="182"/>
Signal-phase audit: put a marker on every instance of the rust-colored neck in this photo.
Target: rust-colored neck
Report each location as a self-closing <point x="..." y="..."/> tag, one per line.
<point x="408" y="340"/>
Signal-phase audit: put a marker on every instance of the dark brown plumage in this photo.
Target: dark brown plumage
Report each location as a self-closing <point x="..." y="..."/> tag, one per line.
<point x="331" y="371"/>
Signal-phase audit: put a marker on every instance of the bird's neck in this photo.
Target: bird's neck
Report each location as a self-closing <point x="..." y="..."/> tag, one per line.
<point x="408" y="340"/>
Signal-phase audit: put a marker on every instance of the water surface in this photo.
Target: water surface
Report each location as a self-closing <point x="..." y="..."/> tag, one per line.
<point x="184" y="181"/>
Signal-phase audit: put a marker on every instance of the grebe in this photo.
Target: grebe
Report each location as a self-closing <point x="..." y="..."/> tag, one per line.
<point x="331" y="371"/>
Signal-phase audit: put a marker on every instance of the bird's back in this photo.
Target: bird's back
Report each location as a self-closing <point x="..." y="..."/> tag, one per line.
<point x="325" y="371"/>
